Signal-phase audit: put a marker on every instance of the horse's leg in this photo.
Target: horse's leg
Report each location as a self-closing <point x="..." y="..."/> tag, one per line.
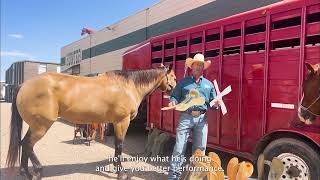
<point x="35" y="134"/>
<point x="24" y="157"/>
<point x="94" y="128"/>
<point x="101" y="131"/>
<point x="93" y="134"/>
<point x="120" y="132"/>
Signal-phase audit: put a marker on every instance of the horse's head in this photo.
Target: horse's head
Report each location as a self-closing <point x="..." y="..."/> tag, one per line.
<point x="168" y="83"/>
<point x="310" y="104"/>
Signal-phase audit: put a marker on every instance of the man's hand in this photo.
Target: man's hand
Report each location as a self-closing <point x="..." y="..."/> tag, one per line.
<point x="216" y="104"/>
<point x="172" y="103"/>
<point x="219" y="96"/>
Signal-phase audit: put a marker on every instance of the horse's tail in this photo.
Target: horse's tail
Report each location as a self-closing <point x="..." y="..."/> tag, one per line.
<point x="15" y="132"/>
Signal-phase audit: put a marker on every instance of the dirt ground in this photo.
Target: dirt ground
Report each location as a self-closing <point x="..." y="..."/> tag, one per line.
<point x="61" y="159"/>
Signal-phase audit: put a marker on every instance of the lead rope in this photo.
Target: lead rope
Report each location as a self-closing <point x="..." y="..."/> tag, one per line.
<point x="185" y="70"/>
<point x="307" y="109"/>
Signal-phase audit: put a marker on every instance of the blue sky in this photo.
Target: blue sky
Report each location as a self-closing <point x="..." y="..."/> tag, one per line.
<point x="37" y="29"/>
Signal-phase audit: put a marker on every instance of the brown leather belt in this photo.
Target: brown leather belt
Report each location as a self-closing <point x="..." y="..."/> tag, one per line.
<point x="196" y="113"/>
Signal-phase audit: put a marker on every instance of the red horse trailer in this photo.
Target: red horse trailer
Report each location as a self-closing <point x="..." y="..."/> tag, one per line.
<point x="261" y="54"/>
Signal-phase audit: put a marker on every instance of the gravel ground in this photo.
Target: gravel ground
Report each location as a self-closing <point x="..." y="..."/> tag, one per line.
<point x="61" y="159"/>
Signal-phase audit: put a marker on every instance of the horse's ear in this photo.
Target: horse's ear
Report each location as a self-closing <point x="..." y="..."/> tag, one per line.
<point x="310" y="67"/>
<point x="161" y="65"/>
<point x="170" y="68"/>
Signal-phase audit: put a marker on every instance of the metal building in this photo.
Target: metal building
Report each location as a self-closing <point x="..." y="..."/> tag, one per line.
<point x="3" y="91"/>
<point x="24" y="70"/>
<point x="102" y="50"/>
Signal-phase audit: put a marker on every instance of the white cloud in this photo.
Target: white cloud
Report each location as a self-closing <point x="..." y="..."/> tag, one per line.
<point x="18" y="36"/>
<point x="16" y="54"/>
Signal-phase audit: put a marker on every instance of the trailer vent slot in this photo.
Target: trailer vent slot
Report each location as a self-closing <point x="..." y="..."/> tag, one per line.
<point x="212" y="53"/>
<point x="233" y="33"/>
<point x="156" y="60"/>
<point x="168" y="59"/>
<point x="255" y="29"/>
<point x="315" y="17"/>
<point x="254" y="47"/>
<point x="181" y="57"/>
<point x="231" y="50"/>
<point x="156" y="48"/>
<point x="182" y="43"/>
<point x="313" y="40"/>
<point x="288" y="43"/>
<point x="295" y="21"/>
<point x="196" y="40"/>
<point x="213" y="37"/>
<point x="169" y="46"/>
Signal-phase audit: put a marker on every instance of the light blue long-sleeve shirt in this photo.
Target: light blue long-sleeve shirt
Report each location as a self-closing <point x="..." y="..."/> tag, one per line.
<point x="204" y="87"/>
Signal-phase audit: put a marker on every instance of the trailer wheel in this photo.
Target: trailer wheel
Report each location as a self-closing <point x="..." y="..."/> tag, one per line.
<point x="300" y="160"/>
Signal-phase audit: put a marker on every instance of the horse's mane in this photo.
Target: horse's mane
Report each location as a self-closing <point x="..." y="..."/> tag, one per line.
<point x="139" y="77"/>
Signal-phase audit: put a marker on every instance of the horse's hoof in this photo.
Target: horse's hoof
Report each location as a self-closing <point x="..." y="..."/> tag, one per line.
<point x="25" y="174"/>
<point x="122" y="175"/>
<point x="36" y="176"/>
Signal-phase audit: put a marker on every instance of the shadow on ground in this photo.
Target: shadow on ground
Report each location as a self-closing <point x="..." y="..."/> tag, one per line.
<point x="134" y="146"/>
<point x="67" y="169"/>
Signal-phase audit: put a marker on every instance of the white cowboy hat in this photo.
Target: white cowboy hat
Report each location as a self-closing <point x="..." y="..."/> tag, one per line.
<point x="198" y="58"/>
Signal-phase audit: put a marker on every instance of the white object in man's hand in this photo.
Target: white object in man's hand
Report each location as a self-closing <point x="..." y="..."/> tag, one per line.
<point x="215" y="103"/>
<point x="218" y="98"/>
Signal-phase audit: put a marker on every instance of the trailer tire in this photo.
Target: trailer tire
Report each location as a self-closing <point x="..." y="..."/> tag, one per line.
<point x="295" y="155"/>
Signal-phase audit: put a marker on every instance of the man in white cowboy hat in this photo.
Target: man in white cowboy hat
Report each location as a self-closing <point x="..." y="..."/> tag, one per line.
<point x="193" y="119"/>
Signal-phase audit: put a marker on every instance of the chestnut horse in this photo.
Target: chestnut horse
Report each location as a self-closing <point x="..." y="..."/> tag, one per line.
<point x="113" y="97"/>
<point x="310" y="105"/>
<point x="93" y="133"/>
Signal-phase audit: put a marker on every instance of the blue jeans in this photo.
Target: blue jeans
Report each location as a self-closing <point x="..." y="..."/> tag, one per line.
<point x="199" y="128"/>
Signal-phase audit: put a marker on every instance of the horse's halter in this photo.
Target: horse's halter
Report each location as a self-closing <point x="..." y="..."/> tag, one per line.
<point x="170" y="85"/>
<point x="307" y="108"/>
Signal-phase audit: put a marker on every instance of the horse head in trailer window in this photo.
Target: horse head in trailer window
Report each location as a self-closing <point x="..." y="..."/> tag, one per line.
<point x="310" y="104"/>
<point x="113" y="97"/>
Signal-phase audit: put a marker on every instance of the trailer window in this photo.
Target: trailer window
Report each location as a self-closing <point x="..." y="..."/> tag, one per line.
<point x="157" y="48"/>
<point x="233" y="33"/>
<point x="255" y="29"/>
<point x="212" y="37"/>
<point x="168" y="59"/>
<point x="156" y="60"/>
<point x="254" y="47"/>
<point x="285" y="43"/>
<point x="196" y="40"/>
<point x="315" y="17"/>
<point x="313" y="40"/>
<point x="231" y="50"/>
<point x="295" y="21"/>
<point x="182" y="43"/>
<point x="181" y="57"/>
<point x="169" y="46"/>
<point x="212" y="53"/>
